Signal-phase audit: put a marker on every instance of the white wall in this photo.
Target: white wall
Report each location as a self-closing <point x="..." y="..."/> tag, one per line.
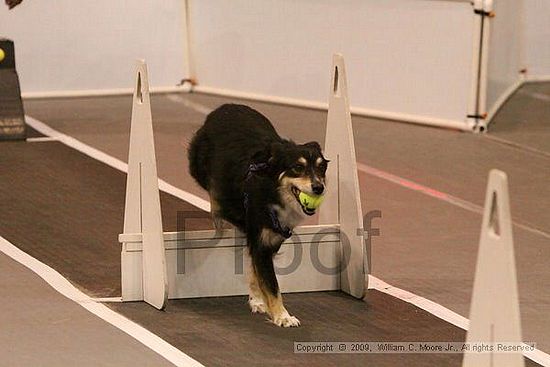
<point x="537" y="37"/>
<point x="409" y="57"/>
<point x="505" y="52"/>
<point x="81" y="45"/>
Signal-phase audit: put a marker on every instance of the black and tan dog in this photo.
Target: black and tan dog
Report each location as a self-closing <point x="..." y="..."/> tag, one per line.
<point x="254" y="178"/>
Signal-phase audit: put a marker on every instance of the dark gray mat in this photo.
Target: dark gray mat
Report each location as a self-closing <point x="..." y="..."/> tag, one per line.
<point x="222" y="332"/>
<point x="427" y="246"/>
<point x="67" y="209"/>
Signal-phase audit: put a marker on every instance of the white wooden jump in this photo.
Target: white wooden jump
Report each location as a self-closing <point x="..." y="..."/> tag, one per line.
<point x="157" y="265"/>
<point x="494" y="311"/>
<point x="142" y="211"/>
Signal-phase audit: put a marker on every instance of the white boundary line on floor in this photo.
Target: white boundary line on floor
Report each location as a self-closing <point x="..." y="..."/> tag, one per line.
<point x="379" y="285"/>
<point x="112" y="161"/>
<point x="421" y="302"/>
<point x="63" y="286"/>
<point x="443" y="313"/>
<point x="107" y="299"/>
<point x="40" y="139"/>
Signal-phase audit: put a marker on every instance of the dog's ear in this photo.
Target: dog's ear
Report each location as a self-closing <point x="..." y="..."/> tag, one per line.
<point x="275" y="150"/>
<point x="269" y="154"/>
<point x="261" y="156"/>
<point x="314" y="145"/>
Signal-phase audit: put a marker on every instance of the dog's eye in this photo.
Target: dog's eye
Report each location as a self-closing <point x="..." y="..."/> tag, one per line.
<point x="298" y="168"/>
<point x="323" y="166"/>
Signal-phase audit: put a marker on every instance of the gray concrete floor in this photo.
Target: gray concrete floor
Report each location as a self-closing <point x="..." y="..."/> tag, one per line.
<point x="524" y="118"/>
<point x="40" y="327"/>
<point x="426" y="246"/>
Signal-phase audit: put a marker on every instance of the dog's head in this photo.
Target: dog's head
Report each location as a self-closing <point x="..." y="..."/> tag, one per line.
<point x="300" y="168"/>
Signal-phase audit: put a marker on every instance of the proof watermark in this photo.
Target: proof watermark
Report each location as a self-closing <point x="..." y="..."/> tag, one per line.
<point x="411" y="347"/>
<point x="237" y="242"/>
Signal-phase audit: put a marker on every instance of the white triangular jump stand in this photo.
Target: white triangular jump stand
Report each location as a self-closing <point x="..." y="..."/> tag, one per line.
<point x="142" y="213"/>
<point x="342" y="203"/>
<point x="494" y="311"/>
<point x="329" y="256"/>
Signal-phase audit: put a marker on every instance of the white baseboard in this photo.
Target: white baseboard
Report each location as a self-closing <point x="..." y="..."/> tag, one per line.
<point x="537" y="78"/>
<point x="360" y="111"/>
<point x="97" y="92"/>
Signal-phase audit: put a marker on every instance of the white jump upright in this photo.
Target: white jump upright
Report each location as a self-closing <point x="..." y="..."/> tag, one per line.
<point x="342" y="203"/>
<point x="329" y="256"/>
<point x="142" y="212"/>
<point x="494" y="311"/>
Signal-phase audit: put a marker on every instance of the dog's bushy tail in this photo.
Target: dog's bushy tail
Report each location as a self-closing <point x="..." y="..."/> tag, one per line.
<point x="198" y="156"/>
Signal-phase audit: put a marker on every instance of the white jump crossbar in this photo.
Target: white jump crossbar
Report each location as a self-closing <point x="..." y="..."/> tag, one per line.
<point x="157" y="266"/>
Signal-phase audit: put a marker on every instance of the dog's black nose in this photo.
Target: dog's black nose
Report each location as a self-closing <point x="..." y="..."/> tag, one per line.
<point x="317" y="188"/>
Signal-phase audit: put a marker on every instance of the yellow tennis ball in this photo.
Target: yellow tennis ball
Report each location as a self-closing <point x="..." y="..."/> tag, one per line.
<point x="310" y="202"/>
<point x="2" y="55"/>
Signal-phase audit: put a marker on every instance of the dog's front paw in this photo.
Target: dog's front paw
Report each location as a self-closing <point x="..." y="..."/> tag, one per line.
<point x="256" y="305"/>
<point x="286" y="320"/>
